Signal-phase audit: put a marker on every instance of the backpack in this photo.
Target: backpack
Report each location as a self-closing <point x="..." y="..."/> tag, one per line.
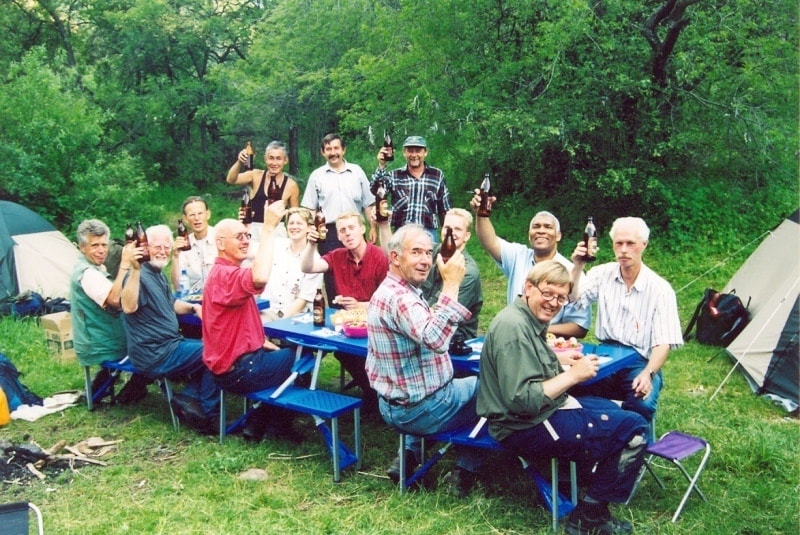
<point x="720" y="318"/>
<point x="16" y="393"/>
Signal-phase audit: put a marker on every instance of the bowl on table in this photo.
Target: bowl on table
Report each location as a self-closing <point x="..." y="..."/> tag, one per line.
<point x="355" y="329"/>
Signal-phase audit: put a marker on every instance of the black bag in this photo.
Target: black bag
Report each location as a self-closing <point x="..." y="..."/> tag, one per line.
<point x="720" y="318"/>
<point x="16" y="393"/>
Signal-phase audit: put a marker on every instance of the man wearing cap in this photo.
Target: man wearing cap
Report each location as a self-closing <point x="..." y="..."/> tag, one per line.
<point x="418" y="191"/>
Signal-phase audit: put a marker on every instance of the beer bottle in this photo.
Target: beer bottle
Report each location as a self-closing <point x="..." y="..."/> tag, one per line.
<point x="130" y="235"/>
<point x="319" y="309"/>
<point x="247" y="209"/>
<point x="141" y="241"/>
<point x="381" y="205"/>
<point x="183" y="232"/>
<point x="248" y="165"/>
<point x="273" y="191"/>
<point x="319" y="222"/>
<point x="388" y="155"/>
<point x="448" y="248"/>
<point x="485" y="209"/>
<point x="590" y="240"/>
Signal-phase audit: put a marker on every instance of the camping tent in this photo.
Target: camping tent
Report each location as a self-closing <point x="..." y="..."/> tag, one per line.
<point x="767" y="349"/>
<point x="34" y="256"/>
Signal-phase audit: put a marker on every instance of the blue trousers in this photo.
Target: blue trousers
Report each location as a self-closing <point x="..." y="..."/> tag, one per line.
<point x="187" y="361"/>
<point x="451" y="407"/>
<point x="610" y="439"/>
<point x="256" y="371"/>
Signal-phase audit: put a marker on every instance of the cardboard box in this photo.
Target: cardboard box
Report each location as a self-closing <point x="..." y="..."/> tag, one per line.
<point x="58" y="334"/>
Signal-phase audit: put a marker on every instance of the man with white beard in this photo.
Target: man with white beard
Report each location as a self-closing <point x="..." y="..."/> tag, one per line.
<point x="155" y="345"/>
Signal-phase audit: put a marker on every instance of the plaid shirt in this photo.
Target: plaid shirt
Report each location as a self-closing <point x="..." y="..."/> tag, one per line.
<point x="416" y="200"/>
<point x="407" y="357"/>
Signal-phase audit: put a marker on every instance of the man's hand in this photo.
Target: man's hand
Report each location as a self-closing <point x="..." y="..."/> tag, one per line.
<point x="642" y="385"/>
<point x="475" y="202"/>
<point x="382" y="157"/>
<point x="584" y="369"/>
<point x="273" y="213"/>
<point x="452" y="271"/>
<point x="569" y="358"/>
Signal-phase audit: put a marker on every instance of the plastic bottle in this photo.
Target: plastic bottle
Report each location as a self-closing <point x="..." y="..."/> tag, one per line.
<point x="5" y="414"/>
<point x="184" y="286"/>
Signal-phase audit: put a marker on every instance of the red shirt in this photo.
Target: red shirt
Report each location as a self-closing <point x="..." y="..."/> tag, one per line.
<point x="231" y="322"/>
<point x="357" y="280"/>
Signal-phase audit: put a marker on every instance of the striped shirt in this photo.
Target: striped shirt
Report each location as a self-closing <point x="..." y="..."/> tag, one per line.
<point x="422" y="200"/>
<point x="407" y="358"/>
<point x="643" y="317"/>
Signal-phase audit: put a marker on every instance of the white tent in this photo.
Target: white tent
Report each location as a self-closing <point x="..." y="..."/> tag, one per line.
<point x="767" y="349"/>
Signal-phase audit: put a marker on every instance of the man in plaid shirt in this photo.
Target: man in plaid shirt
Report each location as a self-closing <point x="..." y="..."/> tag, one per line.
<point x="407" y="360"/>
<point x="418" y="191"/>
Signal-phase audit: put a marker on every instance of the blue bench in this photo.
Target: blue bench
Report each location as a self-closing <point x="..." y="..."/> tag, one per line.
<point x="477" y="436"/>
<point x="320" y="404"/>
<point x="116" y="369"/>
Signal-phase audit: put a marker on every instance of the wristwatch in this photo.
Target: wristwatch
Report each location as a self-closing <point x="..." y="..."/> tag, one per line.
<point x="652" y="374"/>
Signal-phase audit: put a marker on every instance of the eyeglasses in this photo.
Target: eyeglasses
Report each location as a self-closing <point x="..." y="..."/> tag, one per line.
<point x="549" y="296"/>
<point x="241" y="236"/>
<point x="160" y="247"/>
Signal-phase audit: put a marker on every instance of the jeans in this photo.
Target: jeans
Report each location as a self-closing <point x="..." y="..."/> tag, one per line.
<point x="450" y="407"/>
<point x="187" y="361"/>
<point x="611" y="440"/>
<point x="256" y="371"/>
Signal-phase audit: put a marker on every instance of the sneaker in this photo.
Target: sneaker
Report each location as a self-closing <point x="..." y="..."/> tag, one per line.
<point x="460" y="482"/>
<point x="595" y="519"/>
<point x="394" y="470"/>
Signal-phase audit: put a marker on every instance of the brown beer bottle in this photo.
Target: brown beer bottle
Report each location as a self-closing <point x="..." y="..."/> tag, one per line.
<point x="319" y="222"/>
<point x="141" y="241"/>
<point x="388" y="155"/>
<point x="246" y="208"/>
<point x="248" y="165"/>
<point x="319" y="309"/>
<point x="183" y="232"/>
<point x="448" y="248"/>
<point x="273" y="191"/>
<point x="590" y="240"/>
<point x="381" y="205"/>
<point x="485" y="209"/>
<point x="130" y="235"/>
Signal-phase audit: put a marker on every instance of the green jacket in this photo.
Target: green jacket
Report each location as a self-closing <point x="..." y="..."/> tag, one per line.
<point x="514" y="362"/>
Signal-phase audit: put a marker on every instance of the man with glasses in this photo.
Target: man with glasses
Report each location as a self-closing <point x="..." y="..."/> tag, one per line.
<point x="198" y="260"/>
<point x="516" y="259"/>
<point x="524" y="397"/>
<point x="635" y="308"/>
<point x="155" y="345"/>
<point x="236" y="350"/>
<point x="407" y="359"/>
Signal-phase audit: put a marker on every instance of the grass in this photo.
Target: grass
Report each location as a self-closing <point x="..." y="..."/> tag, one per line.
<point x="162" y="481"/>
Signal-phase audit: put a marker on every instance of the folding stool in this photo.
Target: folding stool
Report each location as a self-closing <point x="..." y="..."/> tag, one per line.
<point x="675" y="447"/>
